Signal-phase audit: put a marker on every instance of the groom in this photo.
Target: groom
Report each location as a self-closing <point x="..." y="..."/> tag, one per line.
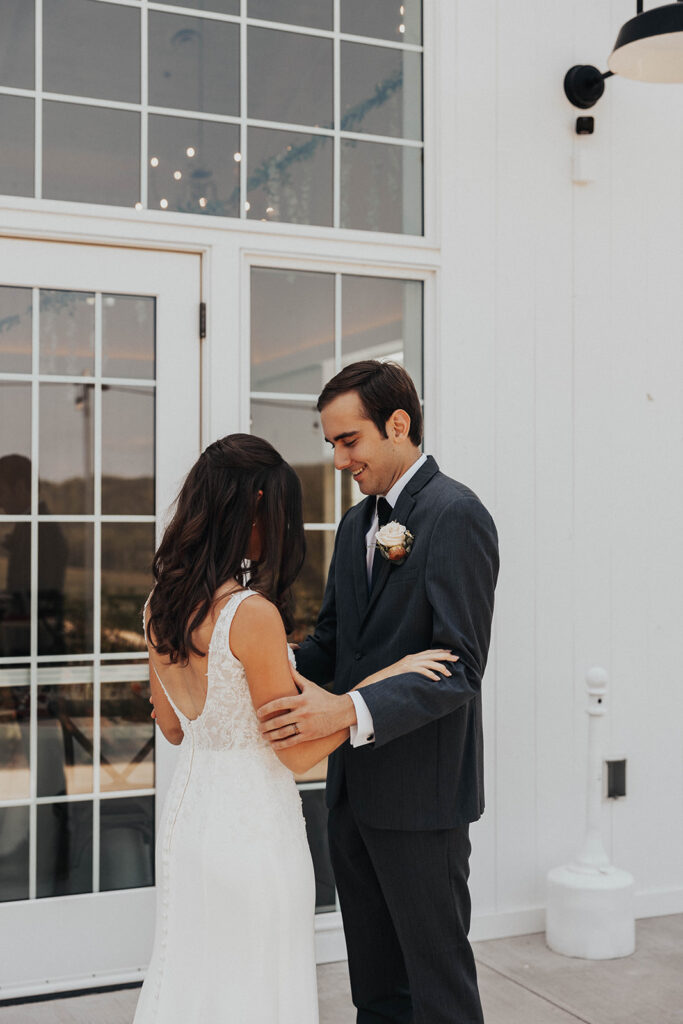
<point x="402" y="792"/>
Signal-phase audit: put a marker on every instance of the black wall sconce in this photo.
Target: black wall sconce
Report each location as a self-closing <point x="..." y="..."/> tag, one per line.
<point x="649" y="48"/>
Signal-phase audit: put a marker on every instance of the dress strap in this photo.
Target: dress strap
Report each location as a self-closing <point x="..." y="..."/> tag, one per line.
<point x="220" y="641"/>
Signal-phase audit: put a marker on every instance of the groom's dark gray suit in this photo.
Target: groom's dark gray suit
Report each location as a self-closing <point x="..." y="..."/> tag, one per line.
<point x="400" y="807"/>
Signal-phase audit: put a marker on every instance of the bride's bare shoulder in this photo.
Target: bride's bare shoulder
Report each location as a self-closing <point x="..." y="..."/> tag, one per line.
<point x="257" y="622"/>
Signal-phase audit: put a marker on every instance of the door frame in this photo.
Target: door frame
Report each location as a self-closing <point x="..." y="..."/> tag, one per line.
<point x="228" y="249"/>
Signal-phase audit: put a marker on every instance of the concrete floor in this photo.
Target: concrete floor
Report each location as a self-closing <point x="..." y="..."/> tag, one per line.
<point x="520" y="980"/>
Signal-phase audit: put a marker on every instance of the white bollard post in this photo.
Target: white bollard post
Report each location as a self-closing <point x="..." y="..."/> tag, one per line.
<point x="589" y="909"/>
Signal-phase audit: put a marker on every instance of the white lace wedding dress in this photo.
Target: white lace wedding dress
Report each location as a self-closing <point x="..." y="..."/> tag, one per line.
<point x="234" y="941"/>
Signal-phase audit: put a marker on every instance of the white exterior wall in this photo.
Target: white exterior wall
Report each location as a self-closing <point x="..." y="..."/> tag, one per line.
<point x="560" y="348"/>
<point x="553" y="349"/>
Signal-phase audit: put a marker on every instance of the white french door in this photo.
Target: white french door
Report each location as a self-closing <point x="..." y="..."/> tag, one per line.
<point x="99" y="422"/>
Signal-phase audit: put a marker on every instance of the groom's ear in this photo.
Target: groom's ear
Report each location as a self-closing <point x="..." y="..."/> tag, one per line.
<point x="398" y="426"/>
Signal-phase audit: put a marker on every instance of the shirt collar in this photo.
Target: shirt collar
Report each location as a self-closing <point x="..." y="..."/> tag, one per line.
<point x="393" y="494"/>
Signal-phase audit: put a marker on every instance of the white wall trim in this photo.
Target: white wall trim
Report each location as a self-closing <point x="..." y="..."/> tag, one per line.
<point x="74" y="984"/>
<point x="330" y="944"/>
<point x="527" y="920"/>
<point x="659" y="902"/>
<point x="503" y="925"/>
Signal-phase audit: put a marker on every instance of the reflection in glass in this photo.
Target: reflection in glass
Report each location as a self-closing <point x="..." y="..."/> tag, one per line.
<point x="91" y="154"/>
<point x="127" y="552"/>
<point x="91" y="50"/>
<point x="294" y="429"/>
<point x="128" y="336"/>
<point x="310" y="585"/>
<point x="65" y="734"/>
<point x="16" y="306"/>
<point x="194" y="64"/>
<point x="127" y="450"/>
<point x="312" y="13"/>
<point x="17" y="47"/>
<point x="15" y="707"/>
<point x="65" y="588"/>
<point x="220" y="6"/>
<point x="315" y="813"/>
<point x="66" y="449"/>
<point x="127" y="735"/>
<point x="382" y="319"/>
<point x="292" y="330"/>
<point x="15" y="589"/>
<point x="383" y="19"/>
<point x="126" y="843"/>
<point x="381" y="187"/>
<point x="67" y="332"/>
<point x="16" y="161"/>
<point x="64" y="848"/>
<point x="381" y="91"/>
<point x="15" y="539"/>
<point x="15" y="443"/>
<point x="298" y="86"/>
<point x="290" y="177"/>
<point x="203" y="154"/>
<point x="14" y="832"/>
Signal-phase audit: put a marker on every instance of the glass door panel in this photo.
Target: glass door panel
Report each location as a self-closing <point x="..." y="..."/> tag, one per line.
<point x="99" y="381"/>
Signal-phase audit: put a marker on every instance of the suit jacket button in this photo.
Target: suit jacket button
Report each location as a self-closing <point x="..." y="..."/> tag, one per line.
<point x="358" y="655"/>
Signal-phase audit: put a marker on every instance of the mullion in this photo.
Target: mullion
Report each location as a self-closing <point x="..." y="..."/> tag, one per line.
<point x="33" y="629"/>
<point x="97" y="594"/>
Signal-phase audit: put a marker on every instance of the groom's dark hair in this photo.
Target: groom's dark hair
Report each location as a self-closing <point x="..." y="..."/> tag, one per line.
<point x="382" y="388"/>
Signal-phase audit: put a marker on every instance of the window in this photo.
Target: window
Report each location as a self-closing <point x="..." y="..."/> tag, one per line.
<point x="77" y="500"/>
<point x="303" y="111"/>
<point x="305" y="326"/>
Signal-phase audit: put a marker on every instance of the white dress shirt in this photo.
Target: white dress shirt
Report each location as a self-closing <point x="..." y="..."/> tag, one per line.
<point x="364" y="731"/>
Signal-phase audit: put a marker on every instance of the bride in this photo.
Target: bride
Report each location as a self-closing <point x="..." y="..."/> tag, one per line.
<point x="234" y="939"/>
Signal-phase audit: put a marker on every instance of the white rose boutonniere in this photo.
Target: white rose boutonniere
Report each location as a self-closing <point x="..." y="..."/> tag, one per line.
<point x="394" y="542"/>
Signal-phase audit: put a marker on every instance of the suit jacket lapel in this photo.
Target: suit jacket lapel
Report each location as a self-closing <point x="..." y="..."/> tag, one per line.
<point x="401" y="514"/>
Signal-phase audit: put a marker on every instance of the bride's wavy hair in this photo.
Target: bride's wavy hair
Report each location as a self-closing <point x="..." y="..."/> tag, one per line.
<point x="206" y="542"/>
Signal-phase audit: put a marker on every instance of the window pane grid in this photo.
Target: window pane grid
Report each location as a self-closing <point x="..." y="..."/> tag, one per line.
<point x="64" y="690"/>
<point x="297" y="346"/>
<point x="61" y="125"/>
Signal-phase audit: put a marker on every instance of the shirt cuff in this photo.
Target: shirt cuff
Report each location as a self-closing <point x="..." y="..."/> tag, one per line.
<point x="363" y="731"/>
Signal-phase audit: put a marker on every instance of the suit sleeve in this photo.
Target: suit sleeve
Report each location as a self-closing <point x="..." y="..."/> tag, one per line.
<point x="317" y="655"/>
<point x="461" y="573"/>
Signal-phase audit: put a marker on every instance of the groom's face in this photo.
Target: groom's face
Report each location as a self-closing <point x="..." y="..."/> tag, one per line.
<point x="375" y="462"/>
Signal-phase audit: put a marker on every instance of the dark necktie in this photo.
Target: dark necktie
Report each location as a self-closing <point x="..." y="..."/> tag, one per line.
<point x="384" y="511"/>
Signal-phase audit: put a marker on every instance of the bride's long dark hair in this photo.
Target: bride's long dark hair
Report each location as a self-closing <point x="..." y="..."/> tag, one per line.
<point x="205" y="544"/>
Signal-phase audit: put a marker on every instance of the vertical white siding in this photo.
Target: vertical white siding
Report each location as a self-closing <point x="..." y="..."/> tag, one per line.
<point x="561" y="352"/>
